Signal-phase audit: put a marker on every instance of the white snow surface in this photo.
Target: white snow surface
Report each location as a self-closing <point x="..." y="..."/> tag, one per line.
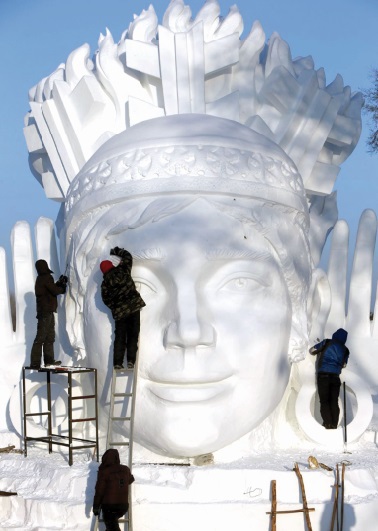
<point x="53" y="495"/>
<point x="271" y="141"/>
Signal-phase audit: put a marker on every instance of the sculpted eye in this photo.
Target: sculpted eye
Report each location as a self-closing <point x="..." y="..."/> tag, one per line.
<point x="145" y="288"/>
<point x="242" y="284"/>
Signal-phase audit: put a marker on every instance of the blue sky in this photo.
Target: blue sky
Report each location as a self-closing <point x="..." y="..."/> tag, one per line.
<point x="37" y="35"/>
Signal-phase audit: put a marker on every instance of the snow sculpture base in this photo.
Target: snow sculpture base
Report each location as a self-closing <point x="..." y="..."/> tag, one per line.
<point x="207" y="498"/>
<point x="240" y="498"/>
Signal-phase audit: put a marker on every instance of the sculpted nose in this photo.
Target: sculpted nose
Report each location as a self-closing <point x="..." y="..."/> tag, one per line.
<point x="192" y="327"/>
<point x="185" y="334"/>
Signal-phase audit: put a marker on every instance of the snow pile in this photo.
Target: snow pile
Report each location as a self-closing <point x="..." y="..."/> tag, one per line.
<point x="52" y="495"/>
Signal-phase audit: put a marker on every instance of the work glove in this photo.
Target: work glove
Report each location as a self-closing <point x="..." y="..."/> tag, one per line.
<point x="116" y="251"/>
<point x="62" y="282"/>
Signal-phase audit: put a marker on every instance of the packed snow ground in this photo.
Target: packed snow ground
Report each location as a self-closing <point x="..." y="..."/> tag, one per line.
<point x="51" y="495"/>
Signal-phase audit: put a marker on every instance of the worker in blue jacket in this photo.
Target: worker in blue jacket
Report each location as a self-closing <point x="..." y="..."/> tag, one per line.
<point x="332" y="357"/>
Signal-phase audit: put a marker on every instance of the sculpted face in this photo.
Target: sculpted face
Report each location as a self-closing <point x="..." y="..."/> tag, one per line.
<point x="214" y="332"/>
<point x="216" y="218"/>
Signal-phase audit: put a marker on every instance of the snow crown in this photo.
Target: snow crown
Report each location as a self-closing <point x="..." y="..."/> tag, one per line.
<point x="188" y="153"/>
<point x="190" y="66"/>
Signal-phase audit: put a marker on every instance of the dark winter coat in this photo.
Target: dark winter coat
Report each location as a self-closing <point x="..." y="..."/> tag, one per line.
<point x="46" y="290"/>
<point x="332" y="353"/>
<point x="113" y="481"/>
<point x="118" y="289"/>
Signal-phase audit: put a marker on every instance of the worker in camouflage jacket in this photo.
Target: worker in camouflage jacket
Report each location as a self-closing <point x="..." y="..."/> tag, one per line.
<point x="119" y="293"/>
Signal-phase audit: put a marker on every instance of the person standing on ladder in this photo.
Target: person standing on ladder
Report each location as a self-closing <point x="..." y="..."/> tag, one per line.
<point x="46" y="292"/>
<point x="119" y="293"/>
<point x="112" y="489"/>
<point x="332" y="357"/>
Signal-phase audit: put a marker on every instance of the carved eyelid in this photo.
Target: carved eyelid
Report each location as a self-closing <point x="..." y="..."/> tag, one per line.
<point x="260" y="272"/>
<point x="139" y="281"/>
<point x="263" y="281"/>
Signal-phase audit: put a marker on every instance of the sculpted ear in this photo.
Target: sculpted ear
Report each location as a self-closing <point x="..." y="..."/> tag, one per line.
<point x="318" y="304"/>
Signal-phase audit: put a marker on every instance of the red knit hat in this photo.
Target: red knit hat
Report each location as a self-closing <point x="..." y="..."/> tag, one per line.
<point x="105" y="266"/>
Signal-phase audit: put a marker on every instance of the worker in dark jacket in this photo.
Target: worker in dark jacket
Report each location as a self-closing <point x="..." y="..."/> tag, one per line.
<point x="46" y="291"/>
<point x="332" y="357"/>
<point x="112" y="489"/>
<point x="119" y="293"/>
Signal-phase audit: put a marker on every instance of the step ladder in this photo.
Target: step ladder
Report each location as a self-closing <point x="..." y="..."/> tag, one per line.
<point x="122" y="399"/>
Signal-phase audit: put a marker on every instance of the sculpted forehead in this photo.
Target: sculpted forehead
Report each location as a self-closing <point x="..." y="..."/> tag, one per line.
<point x="198" y="229"/>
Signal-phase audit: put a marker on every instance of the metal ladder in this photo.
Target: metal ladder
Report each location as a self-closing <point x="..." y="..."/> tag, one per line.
<point x="127" y="417"/>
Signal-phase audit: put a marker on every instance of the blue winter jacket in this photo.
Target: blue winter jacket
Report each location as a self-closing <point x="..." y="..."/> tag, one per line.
<point x="335" y="355"/>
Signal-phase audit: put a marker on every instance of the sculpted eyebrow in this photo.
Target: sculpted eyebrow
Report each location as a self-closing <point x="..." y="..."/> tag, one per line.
<point x="238" y="254"/>
<point x="154" y="253"/>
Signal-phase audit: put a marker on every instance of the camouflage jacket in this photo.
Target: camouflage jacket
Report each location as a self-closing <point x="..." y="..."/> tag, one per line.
<point x="118" y="290"/>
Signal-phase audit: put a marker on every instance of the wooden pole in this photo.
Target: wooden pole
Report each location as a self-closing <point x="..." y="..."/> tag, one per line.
<point x="342" y="497"/>
<point x="304" y="499"/>
<point x="274" y="505"/>
<point x="335" y="514"/>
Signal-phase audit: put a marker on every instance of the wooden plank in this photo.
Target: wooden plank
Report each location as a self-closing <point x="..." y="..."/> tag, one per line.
<point x="310" y="509"/>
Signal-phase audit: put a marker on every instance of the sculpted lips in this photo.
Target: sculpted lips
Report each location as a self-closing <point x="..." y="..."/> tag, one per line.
<point x="191" y="391"/>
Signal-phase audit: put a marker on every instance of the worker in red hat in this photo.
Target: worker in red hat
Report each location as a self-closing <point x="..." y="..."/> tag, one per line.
<point x="119" y="293"/>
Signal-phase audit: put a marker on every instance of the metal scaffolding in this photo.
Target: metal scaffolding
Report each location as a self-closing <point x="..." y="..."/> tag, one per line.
<point x="73" y="443"/>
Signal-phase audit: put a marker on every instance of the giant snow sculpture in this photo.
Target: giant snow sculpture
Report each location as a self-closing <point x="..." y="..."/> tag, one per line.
<point x="212" y="159"/>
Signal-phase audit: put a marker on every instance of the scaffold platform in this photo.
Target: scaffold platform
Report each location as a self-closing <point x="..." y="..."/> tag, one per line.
<point x="71" y="442"/>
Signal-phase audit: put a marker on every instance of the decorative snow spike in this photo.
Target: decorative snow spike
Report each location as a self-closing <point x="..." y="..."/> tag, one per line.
<point x="159" y="70"/>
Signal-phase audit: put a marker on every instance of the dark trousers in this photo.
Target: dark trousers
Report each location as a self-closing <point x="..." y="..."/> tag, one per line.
<point x="126" y="335"/>
<point x="44" y="340"/>
<point x="111" y="513"/>
<point x="329" y="389"/>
